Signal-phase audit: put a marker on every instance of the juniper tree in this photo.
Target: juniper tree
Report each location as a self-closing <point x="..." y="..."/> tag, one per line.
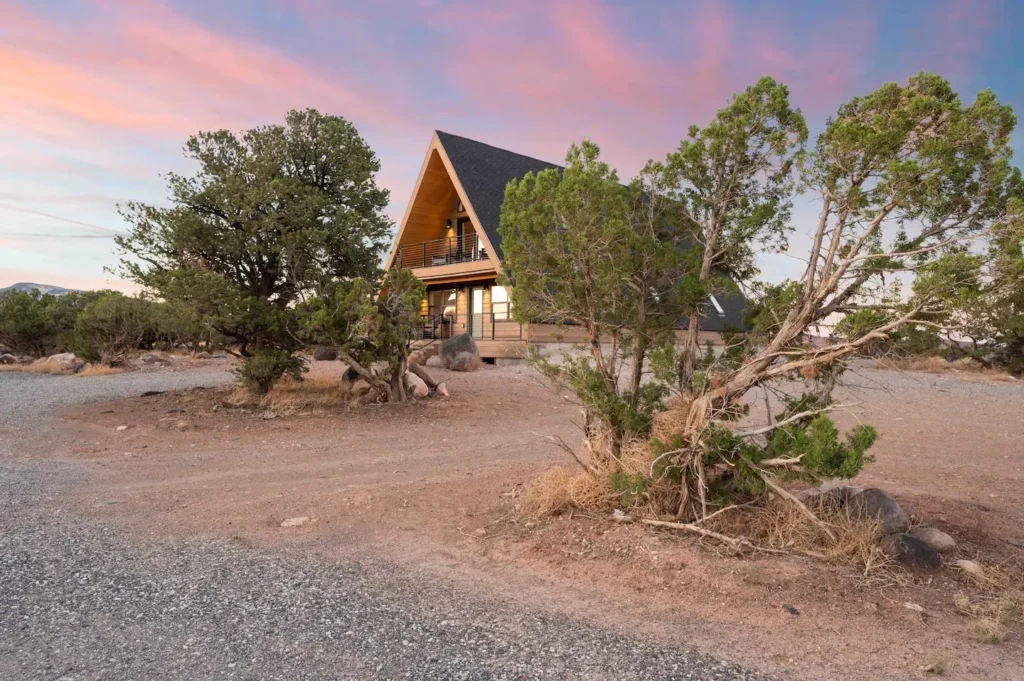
<point x="274" y="212"/>
<point x="371" y="323"/>
<point x="581" y="250"/>
<point x="906" y="178"/>
<point x="735" y="179"/>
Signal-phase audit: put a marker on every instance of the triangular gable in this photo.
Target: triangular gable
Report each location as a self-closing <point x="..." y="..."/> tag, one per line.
<point x="477" y="174"/>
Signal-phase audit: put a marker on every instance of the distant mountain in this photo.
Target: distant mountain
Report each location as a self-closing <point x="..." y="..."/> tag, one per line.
<point x="43" y="288"/>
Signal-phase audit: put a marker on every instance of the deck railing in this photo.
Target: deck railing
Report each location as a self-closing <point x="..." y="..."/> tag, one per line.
<point x="444" y="251"/>
<point x="494" y="325"/>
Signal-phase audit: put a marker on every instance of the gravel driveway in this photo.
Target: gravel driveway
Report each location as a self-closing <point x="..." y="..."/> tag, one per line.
<point x="24" y="397"/>
<point x="82" y="601"/>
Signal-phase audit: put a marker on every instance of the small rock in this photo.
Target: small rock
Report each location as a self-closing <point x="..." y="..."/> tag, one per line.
<point x="790" y="609"/>
<point x="361" y="387"/>
<point x="153" y="358"/>
<point x="874" y="504"/>
<point x="203" y="355"/>
<point x="914" y="606"/>
<point x="442" y="390"/>
<point x="8" y="358"/>
<point x="269" y="414"/>
<point x="937" y="539"/>
<point x="153" y="393"/>
<point x="911" y="552"/>
<point x="417" y="385"/>
<point x="480" y="532"/>
<point x="121" y="429"/>
<point x="295" y="522"/>
<point x="970" y="567"/>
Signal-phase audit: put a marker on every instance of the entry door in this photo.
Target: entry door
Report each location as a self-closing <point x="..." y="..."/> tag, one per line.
<point x="477" y="312"/>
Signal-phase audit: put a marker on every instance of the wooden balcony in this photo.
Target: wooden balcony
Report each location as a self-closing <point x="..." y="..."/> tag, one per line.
<point x="441" y="252"/>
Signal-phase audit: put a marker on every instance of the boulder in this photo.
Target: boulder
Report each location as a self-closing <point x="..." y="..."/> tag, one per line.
<point x="829" y="496"/>
<point x="203" y="355"/>
<point x="64" y="361"/>
<point x="874" y="504"/>
<point x="911" y="552"/>
<point x="455" y="345"/>
<point x="937" y="539"/>
<point x="360" y="388"/>
<point x="463" y="361"/>
<point x="325" y="353"/>
<point x="8" y="358"/>
<point x="416" y="385"/>
<point x="153" y="358"/>
<point x="418" y="357"/>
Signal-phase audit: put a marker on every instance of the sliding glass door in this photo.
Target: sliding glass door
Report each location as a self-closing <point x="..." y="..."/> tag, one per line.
<point x="476" y="316"/>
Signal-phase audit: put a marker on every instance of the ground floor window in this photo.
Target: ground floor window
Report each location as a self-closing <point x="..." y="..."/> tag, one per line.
<point x="501" y="303"/>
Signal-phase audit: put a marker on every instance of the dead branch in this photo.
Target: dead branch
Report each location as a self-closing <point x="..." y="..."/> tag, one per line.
<point x="422" y="373"/>
<point x="735" y="542"/>
<point x="770" y="481"/>
<point x="560" y="443"/>
<point x="794" y="417"/>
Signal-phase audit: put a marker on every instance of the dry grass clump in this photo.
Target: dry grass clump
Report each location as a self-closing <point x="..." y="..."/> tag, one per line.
<point x="780" y="525"/>
<point x="560" y="490"/>
<point x="995" y="611"/>
<point x="100" y="370"/>
<point x="937" y="365"/>
<point x="51" y="368"/>
<point x="315" y="394"/>
<point x="54" y="369"/>
<point x="593" y="486"/>
<point x="992" y="615"/>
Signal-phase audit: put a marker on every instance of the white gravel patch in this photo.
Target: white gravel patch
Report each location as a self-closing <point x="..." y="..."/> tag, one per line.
<point x="28" y="399"/>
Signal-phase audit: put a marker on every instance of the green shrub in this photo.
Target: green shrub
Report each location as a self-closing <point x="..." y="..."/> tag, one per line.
<point x="26" y="325"/>
<point x="629" y="487"/>
<point x="111" y="326"/>
<point x="259" y="372"/>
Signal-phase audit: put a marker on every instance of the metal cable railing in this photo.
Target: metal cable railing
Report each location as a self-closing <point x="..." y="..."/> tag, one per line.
<point x="444" y="251"/>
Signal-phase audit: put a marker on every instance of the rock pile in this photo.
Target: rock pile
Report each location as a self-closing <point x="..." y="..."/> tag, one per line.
<point x="917" y="547"/>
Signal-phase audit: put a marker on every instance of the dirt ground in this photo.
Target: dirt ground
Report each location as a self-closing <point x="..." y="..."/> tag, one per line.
<point x="433" y="485"/>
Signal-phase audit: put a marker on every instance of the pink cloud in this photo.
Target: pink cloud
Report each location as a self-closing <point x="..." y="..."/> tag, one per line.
<point x="822" y="72"/>
<point x="142" y="67"/>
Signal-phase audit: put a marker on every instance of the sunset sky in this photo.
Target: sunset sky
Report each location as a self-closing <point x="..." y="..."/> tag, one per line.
<point x="98" y="96"/>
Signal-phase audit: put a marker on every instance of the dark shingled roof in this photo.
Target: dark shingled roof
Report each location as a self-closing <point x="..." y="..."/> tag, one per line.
<point x="484" y="171"/>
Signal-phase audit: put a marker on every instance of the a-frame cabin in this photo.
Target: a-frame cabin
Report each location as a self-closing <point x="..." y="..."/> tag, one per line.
<point x="449" y="238"/>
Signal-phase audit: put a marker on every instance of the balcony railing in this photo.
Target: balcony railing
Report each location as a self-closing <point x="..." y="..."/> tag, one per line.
<point x="444" y="251"/>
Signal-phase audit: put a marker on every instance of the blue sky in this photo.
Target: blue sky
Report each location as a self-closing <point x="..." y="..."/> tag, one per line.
<point x="98" y="96"/>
